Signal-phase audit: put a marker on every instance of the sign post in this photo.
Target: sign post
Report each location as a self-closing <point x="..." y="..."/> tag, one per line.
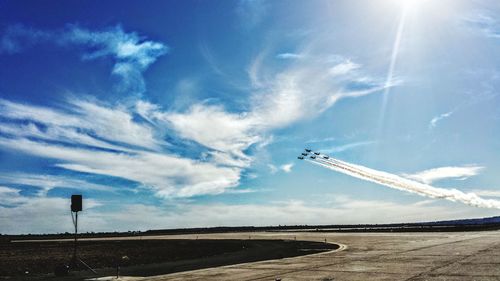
<point x="76" y="206"/>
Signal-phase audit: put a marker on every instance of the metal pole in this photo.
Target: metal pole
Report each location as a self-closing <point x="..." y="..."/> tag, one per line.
<point x="76" y="233"/>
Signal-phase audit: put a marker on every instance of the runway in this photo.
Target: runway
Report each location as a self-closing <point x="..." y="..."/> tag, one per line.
<point x="365" y="256"/>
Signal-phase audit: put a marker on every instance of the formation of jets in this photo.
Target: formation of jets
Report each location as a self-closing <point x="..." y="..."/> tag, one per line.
<point x="311" y="154"/>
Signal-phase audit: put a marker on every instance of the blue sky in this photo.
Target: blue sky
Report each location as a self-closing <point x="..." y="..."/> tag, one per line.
<point x="171" y="114"/>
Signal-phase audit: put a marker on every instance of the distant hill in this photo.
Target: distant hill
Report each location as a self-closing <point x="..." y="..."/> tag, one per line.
<point x="478" y="224"/>
<point x="479" y="221"/>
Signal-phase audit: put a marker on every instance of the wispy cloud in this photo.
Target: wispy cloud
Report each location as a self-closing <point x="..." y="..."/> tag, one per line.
<point x="10" y="197"/>
<point x="452" y="172"/>
<point x="272" y="168"/>
<point x="287" y="168"/>
<point x="343" y="68"/>
<point x="45" y="183"/>
<point x="128" y="142"/>
<point x="321" y="140"/>
<point x="99" y="139"/>
<point x="349" y="146"/>
<point x="254" y="71"/>
<point x="251" y="12"/>
<point x="299" y="91"/>
<point x="83" y="121"/>
<point x="167" y="175"/>
<point x="245" y="191"/>
<point x="287" y="56"/>
<point x="484" y="23"/>
<point x="433" y="123"/>
<point x="132" y="54"/>
<point x="303" y="90"/>
<point x="17" y="38"/>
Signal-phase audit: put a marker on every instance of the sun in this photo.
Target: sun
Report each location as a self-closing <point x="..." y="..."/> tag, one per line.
<point x="412" y="3"/>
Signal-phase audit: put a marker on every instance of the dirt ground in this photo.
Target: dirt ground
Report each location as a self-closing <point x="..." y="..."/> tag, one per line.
<point x="37" y="260"/>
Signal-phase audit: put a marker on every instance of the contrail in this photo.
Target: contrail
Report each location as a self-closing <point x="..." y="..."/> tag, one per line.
<point x="397" y="182"/>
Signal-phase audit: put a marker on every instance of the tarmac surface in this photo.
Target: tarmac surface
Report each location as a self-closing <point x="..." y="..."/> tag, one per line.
<point x="364" y="256"/>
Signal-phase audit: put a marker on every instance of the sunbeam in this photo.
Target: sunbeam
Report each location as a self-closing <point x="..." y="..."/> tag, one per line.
<point x="392" y="65"/>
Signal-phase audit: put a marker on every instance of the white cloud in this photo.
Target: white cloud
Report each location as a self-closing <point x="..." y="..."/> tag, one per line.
<point x="302" y="90"/>
<point x="280" y="98"/>
<point x="78" y="123"/>
<point x="227" y="135"/>
<point x="10" y="196"/>
<point x="215" y="128"/>
<point x="432" y="175"/>
<point x="39" y="214"/>
<point x="229" y="160"/>
<point x="343" y="68"/>
<point x="115" y="124"/>
<point x="438" y="118"/>
<point x="132" y="54"/>
<point x="286" y="56"/>
<point x="93" y="138"/>
<point x="47" y="182"/>
<point x="126" y="47"/>
<point x="87" y="136"/>
<point x="54" y="133"/>
<point x="167" y="175"/>
<point x="287" y="168"/>
<point x="272" y="168"/>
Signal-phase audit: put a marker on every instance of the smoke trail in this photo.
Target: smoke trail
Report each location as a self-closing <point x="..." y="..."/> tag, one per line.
<point x="400" y="183"/>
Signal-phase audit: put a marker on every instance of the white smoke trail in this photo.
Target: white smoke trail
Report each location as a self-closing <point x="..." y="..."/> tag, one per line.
<point x="400" y="183"/>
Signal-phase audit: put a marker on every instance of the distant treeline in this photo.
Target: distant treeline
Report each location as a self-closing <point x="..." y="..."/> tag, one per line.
<point x="482" y="224"/>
